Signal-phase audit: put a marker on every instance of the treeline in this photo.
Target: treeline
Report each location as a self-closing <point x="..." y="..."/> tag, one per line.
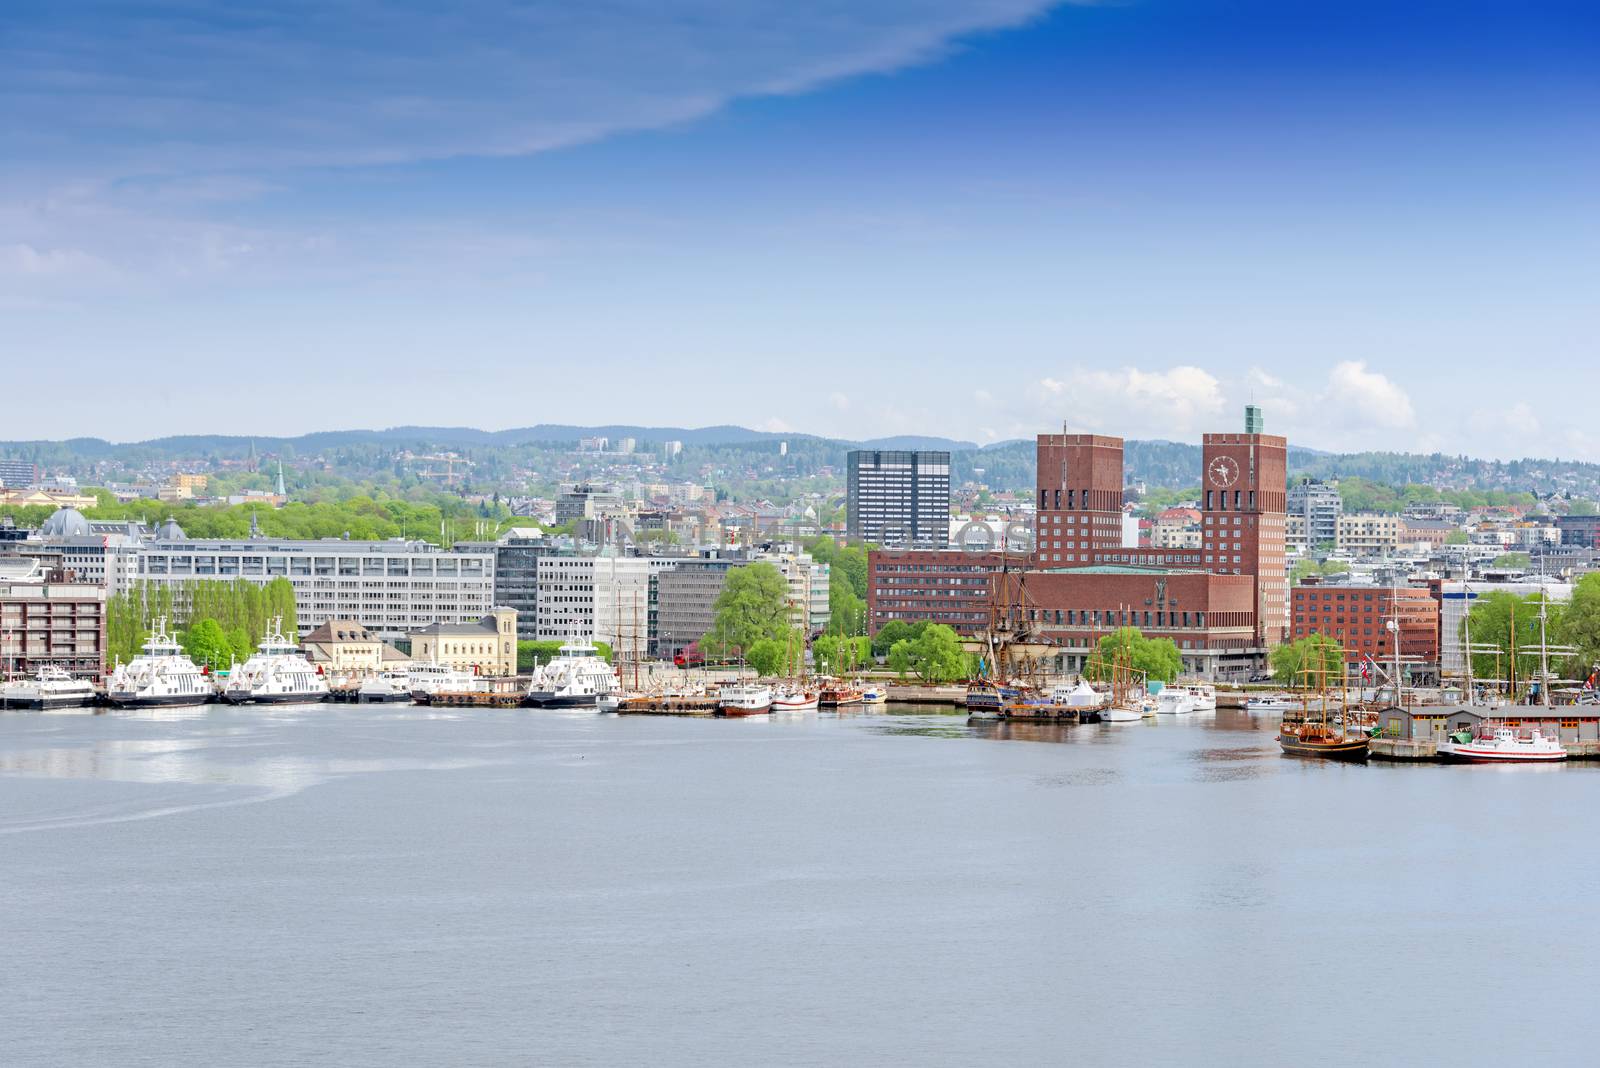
<point x="441" y="520"/>
<point x="1364" y="495"/>
<point x="240" y="610"/>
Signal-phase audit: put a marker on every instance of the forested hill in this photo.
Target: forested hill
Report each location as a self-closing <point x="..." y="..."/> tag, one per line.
<point x="1009" y="465"/>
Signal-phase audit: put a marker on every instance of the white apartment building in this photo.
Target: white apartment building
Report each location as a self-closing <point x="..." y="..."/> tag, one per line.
<point x="389" y="587"/>
<point x="1369" y="534"/>
<point x="601" y="598"/>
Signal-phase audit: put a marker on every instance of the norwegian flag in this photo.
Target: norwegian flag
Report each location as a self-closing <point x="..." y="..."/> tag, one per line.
<point x="1589" y="682"/>
<point x="1366" y="672"/>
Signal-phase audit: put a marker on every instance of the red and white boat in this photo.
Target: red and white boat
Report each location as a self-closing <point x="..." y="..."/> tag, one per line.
<point x="744" y="699"/>
<point x="796" y="699"/>
<point x="1504" y="745"/>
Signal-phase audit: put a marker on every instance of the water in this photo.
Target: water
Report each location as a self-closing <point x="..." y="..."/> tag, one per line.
<point x="372" y="885"/>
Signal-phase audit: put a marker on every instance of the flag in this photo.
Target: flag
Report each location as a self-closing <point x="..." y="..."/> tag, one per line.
<point x="1589" y="682"/>
<point x="1366" y="672"/>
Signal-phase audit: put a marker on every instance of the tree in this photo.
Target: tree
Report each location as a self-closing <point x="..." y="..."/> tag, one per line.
<point x="835" y="654"/>
<point x="1496" y="617"/>
<point x="1456" y="537"/>
<point x="766" y="656"/>
<point x="1580" y="626"/>
<point x="1155" y="658"/>
<point x="892" y="632"/>
<point x="846" y="611"/>
<point x="753" y="604"/>
<point x="1291" y="659"/>
<point x="240" y="644"/>
<point x="1518" y="561"/>
<point x="935" y="655"/>
<point x="206" y="643"/>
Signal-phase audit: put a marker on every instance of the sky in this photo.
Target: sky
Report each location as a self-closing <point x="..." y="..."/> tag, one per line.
<point x="979" y="219"/>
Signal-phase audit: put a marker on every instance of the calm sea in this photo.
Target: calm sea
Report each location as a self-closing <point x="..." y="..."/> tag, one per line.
<point x="343" y="885"/>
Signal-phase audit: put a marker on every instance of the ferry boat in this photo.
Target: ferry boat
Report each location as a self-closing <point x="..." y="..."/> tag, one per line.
<point x="425" y="680"/>
<point x="387" y="687"/>
<point x="577" y="678"/>
<point x="1502" y="744"/>
<point x="162" y="675"/>
<point x="276" y="672"/>
<point x="744" y="699"/>
<point x="795" y="699"/>
<point x="50" y="688"/>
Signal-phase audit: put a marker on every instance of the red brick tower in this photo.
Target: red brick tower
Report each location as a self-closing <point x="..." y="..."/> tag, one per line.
<point x="1080" y="498"/>
<point x="1244" y="487"/>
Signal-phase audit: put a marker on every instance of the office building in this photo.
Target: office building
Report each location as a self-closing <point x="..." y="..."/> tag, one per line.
<point x="1357" y="617"/>
<point x="1318" y="507"/>
<point x="44" y="622"/>
<point x="18" y="474"/>
<point x="899" y="498"/>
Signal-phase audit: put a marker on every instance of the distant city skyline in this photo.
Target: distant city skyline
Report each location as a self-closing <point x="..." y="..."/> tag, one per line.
<point x="970" y="220"/>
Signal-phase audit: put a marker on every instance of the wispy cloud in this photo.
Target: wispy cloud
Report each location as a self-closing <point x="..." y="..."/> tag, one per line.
<point x="178" y="87"/>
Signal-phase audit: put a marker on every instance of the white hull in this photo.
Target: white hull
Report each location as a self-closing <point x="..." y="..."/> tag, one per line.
<point x="1121" y="715"/>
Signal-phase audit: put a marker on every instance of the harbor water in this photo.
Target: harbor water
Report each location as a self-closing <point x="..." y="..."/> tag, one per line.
<point x="375" y="885"/>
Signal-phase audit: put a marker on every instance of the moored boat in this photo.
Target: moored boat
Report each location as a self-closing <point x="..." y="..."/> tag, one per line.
<point x="735" y="699"/>
<point x="795" y="699"/>
<point x="578" y="677"/>
<point x="390" y="686"/>
<point x="50" y="687"/>
<point x="275" y="672"/>
<point x="838" y="695"/>
<point x="426" y="680"/>
<point x="161" y="675"/>
<point x="1502" y="745"/>
<point x="1174" y="701"/>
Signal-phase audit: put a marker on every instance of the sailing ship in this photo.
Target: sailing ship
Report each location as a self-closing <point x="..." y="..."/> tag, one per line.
<point x="1319" y="728"/>
<point x="1498" y="741"/>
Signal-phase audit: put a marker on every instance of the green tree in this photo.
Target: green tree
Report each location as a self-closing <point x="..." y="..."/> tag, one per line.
<point x="935" y="655"/>
<point x="892" y="632"/>
<point x="1155" y="658"/>
<point x="241" y="644"/>
<point x="1456" y="537"/>
<point x="766" y="656"/>
<point x="753" y="604"/>
<point x="846" y="612"/>
<point x="1499" y="616"/>
<point x="1291" y="659"/>
<point x="206" y="643"/>
<point x="1518" y="561"/>
<point x="1580" y="626"/>
<point x="836" y="654"/>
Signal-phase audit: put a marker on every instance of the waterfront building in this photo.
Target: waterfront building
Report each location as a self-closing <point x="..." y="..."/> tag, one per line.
<point x="487" y="646"/>
<point x="685" y="597"/>
<point x="949" y="586"/>
<point x="599" y="597"/>
<point x="345" y="647"/>
<point x="48" y="623"/>
<point x="1357" y="617"/>
<point x="1317" y="506"/>
<point x="899" y="497"/>
<point x="390" y="587"/>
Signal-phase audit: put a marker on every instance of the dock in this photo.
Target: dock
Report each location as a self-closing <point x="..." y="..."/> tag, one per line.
<point x="1402" y="749"/>
<point x="477" y="699"/>
<point x="668" y="706"/>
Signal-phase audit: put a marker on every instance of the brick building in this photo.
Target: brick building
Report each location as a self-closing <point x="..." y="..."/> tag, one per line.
<point x="1357" y="618"/>
<point x="1243" y="526"/>
<point x="51" y="622"/>
<point x="948" y="586"/>
<point x="1580" y="530"/>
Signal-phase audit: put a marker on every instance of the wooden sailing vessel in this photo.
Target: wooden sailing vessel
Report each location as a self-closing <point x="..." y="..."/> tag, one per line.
<point x="1319" y="728"/>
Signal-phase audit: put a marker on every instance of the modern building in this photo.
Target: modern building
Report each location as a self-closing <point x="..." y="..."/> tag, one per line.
<point x="603" y="597"/>
<point x="586" y="500"/>
<point x="1369" y="534"/>
<point x="1358" y="618"/>
<point x="390" y="587"/>
<point x="685" y="602"/>
<point x="1318" y="506"/>
<point x="18" y="474"/>
<point x="899" y="497"/>
<point x="50" y="623"/>
<point x="487" y="646"/>
<point x="1580" y="530"/>
<point x="516" y="573"/>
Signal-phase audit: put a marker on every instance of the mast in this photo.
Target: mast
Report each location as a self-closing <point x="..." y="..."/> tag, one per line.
<point x="1544" y="656"/>
<point x="1466" y="638"/>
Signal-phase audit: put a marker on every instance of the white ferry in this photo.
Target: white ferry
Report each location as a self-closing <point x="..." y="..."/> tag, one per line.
<point x="163" y="675"/>
<point x="50" y="688"/>
<point x="744" y="699"/>
<point x="425" y="680"/>
<point x="276" y="672"/>
<point x="576" y="678"/>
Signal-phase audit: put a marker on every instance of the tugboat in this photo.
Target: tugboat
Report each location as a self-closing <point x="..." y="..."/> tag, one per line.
<point x="277" y="672"/>
<point x="50" y="688"/>
<point x="163" y="675"/>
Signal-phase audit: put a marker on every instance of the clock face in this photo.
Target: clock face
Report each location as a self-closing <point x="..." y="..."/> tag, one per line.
<point x="1224" y="471"/>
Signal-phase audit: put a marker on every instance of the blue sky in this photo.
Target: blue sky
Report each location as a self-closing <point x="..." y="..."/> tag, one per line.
<point x="977" y="219"/>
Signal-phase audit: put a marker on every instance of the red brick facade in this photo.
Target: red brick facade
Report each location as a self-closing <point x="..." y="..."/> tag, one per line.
<point x="1244" y="488"/>
<point x="940" y="585"/>
<point x="1195" y="609"/>
<point x="1356" y="617"/>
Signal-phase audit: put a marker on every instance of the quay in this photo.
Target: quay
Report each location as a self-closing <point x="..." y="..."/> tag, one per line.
<point x="668" y="706"/>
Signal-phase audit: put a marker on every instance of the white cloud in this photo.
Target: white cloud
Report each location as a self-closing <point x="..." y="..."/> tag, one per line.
<point x="1132" y="402"/>
<point x="839" y="401"/>
<point x="1367" y="397"/>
